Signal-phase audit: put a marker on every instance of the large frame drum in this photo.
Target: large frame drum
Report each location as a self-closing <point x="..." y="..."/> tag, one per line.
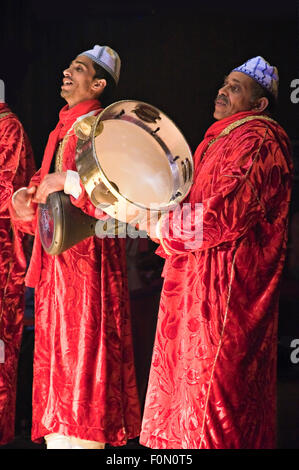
<point x="133" y="158"/>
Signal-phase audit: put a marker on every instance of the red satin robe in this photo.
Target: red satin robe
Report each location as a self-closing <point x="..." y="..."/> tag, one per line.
<point x="16" y="168"/>
<point x="212" y="382"/>
<point x="84" y="376"/>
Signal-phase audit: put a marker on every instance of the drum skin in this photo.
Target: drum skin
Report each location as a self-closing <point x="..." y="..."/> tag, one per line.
<point x="139" y="155"/>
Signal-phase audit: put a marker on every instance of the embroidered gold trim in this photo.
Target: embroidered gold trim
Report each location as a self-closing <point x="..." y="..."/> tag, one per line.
<point x="88" y="121"/>
<point x="238" y="123"/>
<point x="2" y="115"/>
<point x="59" y="154"/>
<point x="233" y="126"/>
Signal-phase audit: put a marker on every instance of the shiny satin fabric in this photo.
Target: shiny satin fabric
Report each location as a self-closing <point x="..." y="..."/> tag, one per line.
<point x="212" y="382"/>
<point x="16" y="167"/>
<point x="84" y="379"/>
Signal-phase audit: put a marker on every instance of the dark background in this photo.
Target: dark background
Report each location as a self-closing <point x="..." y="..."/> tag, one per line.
<point x="174" y="56"/>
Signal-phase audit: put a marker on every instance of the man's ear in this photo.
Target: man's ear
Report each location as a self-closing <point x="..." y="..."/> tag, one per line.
<point x="261" y="104"/>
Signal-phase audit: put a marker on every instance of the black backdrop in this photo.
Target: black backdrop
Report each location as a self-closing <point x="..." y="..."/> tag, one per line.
<point x="174" y="54"/>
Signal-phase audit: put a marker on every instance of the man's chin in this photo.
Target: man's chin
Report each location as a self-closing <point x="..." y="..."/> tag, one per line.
<point x="217" y="115"/>
<point x="64" y="93"/>
<point x="222" y="113"/>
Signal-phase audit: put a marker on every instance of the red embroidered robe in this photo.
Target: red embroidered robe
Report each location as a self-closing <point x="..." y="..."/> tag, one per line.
<point x="16" y="168"/>
<point x="212" y="382"/>
<point x="84" y="376"/>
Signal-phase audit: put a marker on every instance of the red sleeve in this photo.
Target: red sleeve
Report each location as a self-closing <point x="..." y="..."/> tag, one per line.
<point x="10" y="149"/>
<point x="236" y="204"/>
<point x="19" y="224"/>
<point x="26" y="227"/>
<point x="36" y="179"/>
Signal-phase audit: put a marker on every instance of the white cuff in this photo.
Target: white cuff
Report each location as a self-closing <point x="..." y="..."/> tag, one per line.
<point x="159" y="228"/>
<point x="72" y="184"/>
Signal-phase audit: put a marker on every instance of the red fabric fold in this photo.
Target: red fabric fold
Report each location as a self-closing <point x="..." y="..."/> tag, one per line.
<point x="16" y="168"/>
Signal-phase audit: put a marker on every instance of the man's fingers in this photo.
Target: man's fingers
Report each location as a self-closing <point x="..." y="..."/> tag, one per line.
<point x="40" y="201"/>
<point x="26" y="214"/>
<point x="41" y="194"/>
<point x="28" y="218"/>
<point x="31" y="190"/>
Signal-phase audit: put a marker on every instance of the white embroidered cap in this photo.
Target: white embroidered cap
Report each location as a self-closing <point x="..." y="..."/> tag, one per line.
<point x="262" y="72"/>
<point x="106" y="58"/>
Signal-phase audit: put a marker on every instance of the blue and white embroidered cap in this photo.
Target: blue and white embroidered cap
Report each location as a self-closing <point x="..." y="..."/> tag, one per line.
<point x="106" y="58"/>
<point x="262" y="72"/>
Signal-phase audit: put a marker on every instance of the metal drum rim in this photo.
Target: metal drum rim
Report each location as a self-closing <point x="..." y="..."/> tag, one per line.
<point x="103" y="176"/>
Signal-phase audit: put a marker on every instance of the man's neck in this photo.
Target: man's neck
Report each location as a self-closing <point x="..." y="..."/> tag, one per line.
<point x="72" y="104"/>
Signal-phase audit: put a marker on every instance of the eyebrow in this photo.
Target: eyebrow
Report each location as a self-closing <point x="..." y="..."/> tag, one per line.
<point x="78" y="62"/>
<point x="232" y="79"/>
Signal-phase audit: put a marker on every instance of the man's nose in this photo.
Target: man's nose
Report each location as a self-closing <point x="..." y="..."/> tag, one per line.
<point x="223" y="90"/>
<point x="67" y="72"/>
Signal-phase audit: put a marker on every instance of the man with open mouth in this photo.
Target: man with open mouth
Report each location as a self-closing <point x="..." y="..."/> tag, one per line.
<point x="84" y="388"/>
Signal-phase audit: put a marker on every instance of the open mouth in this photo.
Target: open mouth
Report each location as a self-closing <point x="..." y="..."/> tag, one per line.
<point x="66" y="83"/>
<point x="220" y="103"/>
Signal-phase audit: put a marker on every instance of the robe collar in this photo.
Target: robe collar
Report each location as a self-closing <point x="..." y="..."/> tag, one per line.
<point x="218" y="126"/>
<point x="67" y="116"/>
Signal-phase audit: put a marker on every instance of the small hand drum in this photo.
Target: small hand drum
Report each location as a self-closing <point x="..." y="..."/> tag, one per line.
<point x="62" y="225"/>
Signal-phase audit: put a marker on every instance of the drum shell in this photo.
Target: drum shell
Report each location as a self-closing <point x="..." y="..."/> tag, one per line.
<point x="61" y="224"/>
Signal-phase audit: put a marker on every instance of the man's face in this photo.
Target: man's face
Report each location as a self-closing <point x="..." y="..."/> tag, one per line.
<point x="78" y="82"/>
<point x="234" y="96"/>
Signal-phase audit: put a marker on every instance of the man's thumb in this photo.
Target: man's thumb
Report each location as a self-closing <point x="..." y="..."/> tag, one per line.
<point x="31" y="190"/>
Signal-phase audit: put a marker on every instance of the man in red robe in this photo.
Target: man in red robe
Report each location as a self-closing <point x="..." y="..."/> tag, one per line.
<point x="84" y="388"/>
<point x="212" y="382"/>
<point x="16" y="168"/>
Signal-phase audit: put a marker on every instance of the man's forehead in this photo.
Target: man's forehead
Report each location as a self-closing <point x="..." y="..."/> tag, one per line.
<point x="81" y="59"/>
<point x="241" y="78"/>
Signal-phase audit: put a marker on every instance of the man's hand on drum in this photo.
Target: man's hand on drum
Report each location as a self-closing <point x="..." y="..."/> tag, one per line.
<point x="50" y="184"/>
<point x="22" y="203"/>
<point x="147" y="222"/>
